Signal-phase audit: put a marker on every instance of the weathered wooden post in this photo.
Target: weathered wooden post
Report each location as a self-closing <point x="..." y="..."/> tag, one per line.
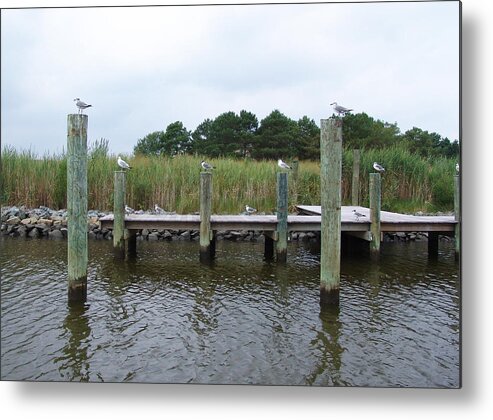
<point x="375" y="206"/>
<point x="119" y="215"/>
<point x="77" y="207"/>
<point x="282" y="217"/>
<point x="206" y="248"/>
<point x="457" y="215"/>
<point x="355" y="181"/>
<point x="330" y="194"/>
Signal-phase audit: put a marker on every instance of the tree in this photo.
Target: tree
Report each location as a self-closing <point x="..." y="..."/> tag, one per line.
<point x="176" y="139"/>
<point x="309" y="139"/>
<point x="361" y="131"/>
<point x="150" y="144"/>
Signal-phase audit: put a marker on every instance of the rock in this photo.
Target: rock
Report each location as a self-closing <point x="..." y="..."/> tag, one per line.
<point x="167" y="235"/>
<point x="22" y="231"/>
<point x="34" y="233"/>
<point x="185" y="235"/>
<point x="47" y="222"/>
<point x="91" y="235"/>
<point x="55" y="234"/>
<point x="13" y="220"/>
<point x="26" y="221"/>
<point x="154" y="236"/>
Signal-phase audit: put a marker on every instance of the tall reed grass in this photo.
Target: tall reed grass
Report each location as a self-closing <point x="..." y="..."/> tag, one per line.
<point x="409" y="184"/>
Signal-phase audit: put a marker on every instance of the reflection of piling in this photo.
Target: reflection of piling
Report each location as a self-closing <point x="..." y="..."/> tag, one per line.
<point x="282" y="217"/>
<point x="207" y="244"/>
<point x="355" y="180"/>
<point x="432" y="245"/>
<point x="375" y="206"/>
<point x="77" y="257"/>
<point x="330" y="193"/>
<point x="457" y="215"/>
<point x="119" y="215"/>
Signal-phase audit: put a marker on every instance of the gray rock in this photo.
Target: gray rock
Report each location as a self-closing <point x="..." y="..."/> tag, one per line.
<point x="13" y="220"/>
<point x="34" y="233"/>
<point x="55" y="234"/>
<point x="154" y="236"/>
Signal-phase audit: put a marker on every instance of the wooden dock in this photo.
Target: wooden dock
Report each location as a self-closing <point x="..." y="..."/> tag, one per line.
<point x="309" y="219"/>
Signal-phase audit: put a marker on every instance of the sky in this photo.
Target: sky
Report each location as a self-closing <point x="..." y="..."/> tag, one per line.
<point x="143" y="68"/>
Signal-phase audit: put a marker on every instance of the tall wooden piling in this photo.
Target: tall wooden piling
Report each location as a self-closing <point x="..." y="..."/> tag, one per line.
<point x="77" y="207"/>
<point x="457" y="215"/>
<point x="330" y="192"/>
<point x="282" y="217"/>
<point x="355" y="180"/>
<point x="119" y="214"/>
<point x="375" y="207"/>
<point x="206" y="247"/>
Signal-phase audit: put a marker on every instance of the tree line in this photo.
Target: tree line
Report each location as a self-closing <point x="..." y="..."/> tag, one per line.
<point x="242" y="135"/>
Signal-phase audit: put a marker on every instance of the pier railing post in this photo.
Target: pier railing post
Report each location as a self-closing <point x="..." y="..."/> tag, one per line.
<point x="77" y="257"/>
<point x="457" y="215"/>
<point x="330" y="193"/>
<point x="355" y="180"/>
<point x="375" y="206"/>
<point x="119" y="215"/>
<point x="206" y="247"/>
<point x="282" y="217"/>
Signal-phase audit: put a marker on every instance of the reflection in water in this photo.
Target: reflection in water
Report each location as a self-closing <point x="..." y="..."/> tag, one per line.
<point x="165" y="318"/>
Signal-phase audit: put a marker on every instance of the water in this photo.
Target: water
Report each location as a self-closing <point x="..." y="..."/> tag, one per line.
<point x="165" y="318"/>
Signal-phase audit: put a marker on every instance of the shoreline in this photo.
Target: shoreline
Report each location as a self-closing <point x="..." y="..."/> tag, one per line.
<point x="43" y="222"/>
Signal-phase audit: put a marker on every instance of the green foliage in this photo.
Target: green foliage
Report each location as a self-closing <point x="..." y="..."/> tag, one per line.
<point x="176" y="139"/>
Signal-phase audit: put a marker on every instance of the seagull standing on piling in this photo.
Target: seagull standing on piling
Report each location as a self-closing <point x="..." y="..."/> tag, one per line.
<point x="206" y="165"/>
<point x="358" y="215"/>
<point x="249" y="209"/>
<point x="283" y="165"/>
<point x="378" y="167"/>
<point x="81" y="104"/>
<point x="340" y="109"/>
<point x="122" y="164"/>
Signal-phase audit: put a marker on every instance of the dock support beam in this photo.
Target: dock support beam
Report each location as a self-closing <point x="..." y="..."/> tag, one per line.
<point x="330" y="192"/>
<point x="457" y="216"/>
<point x="207" y="246"/>
<point x="355" y="180"/>
<point x="119" y="215"/>
<point x="77" y="257"/>
<point x="375" y="205"/>
<point x="282" y="217"/>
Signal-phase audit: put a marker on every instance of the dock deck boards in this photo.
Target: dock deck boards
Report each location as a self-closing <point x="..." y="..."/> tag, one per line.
<point x="310" y="221"/>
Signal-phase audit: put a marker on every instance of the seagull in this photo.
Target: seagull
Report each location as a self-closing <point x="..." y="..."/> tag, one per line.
<point x="122" y="164"/>
<point x="378" y="167"/>
<point x="158" y="209"/>
<point x="81" y="105"/>
<point x="249" y="209"/>
<point x="206" y="165"/>
<point x="358" y="215"/>
<point x="457" y="167"/>
<point x="128" y="209"/>
<point x="340" y="109"/>
<point x="283" y="165"/>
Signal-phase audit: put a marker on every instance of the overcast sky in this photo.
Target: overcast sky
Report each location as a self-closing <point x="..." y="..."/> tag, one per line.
<point x="144" y="68"/>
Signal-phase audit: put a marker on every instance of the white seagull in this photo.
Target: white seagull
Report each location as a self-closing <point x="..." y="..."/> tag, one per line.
<point x="249" y="209"/>
<point x="358" y="215"/>
<point x="158" y="209"/>
<point x="283" y="165"/>
<point x="128" y="209"/>
<point x="457" y="167"/>
<point x="81" y="104"/>
<point x="378" y="167"/>
<point x="206" y="165"/>
<point x="122" y="164"/>
<point x="340" y="109"/>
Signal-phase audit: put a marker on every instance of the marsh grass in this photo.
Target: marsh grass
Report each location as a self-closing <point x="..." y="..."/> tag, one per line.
<point x="409" y="184"/>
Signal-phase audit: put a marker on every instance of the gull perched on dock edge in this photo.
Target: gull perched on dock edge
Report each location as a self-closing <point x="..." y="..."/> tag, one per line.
<point x="340" y="109"/>
<point x="283" y="165"/>
<point x="128" y="209"/>
<point x="206" y="165"/>
<point x="122" y="164"/>
<point x="378" y="167"/>
<point x="158" y="209"/>
<point x="358" y="215"/>
<point x="81" y="104"/>
<point x="249" y="209"/>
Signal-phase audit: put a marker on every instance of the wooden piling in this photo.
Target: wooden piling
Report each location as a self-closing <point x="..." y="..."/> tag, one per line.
<point x="77" y="207"/>
<point x="355" y="180"/>
<point x="375" y="207"/>
<point x="282" y="217"/>
<point x="119" y="214"/>
<point x="330" y="192"/>
<point x="457" y="215"/>
<point x="206" y="249"/>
